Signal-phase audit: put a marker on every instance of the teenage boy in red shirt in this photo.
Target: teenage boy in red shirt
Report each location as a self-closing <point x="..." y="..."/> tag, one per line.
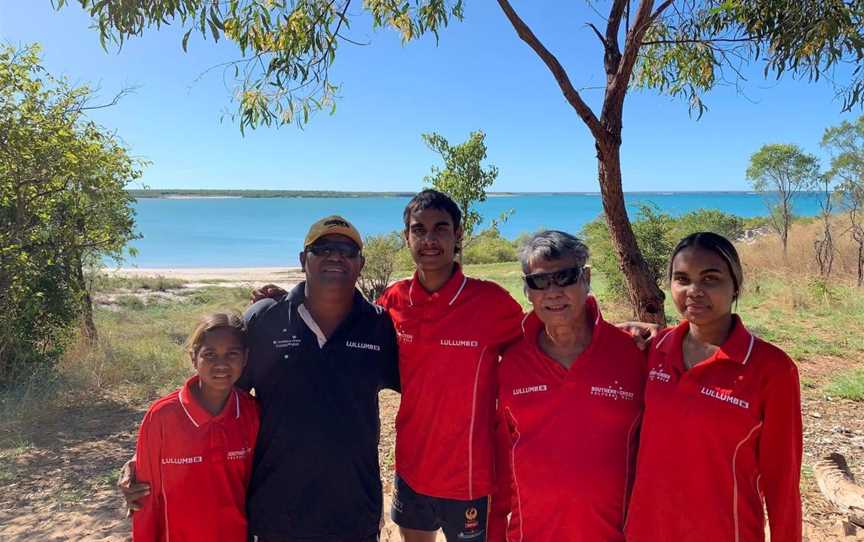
<point x="451" y="330"/>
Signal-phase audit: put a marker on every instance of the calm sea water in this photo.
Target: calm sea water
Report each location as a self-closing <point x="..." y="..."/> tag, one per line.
<point x="246" y="232"/>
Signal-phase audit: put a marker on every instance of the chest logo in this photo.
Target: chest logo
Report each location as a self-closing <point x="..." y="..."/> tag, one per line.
<point x="615" y="391"/>
<point x="239" y="454"/>
<point x="363" y="346"/>
<point x="460" y="343"/>
<point x="405" y="338"/>
<point x="659" y="375"/>
<point x="724" y="395"/>
<point x="293" y="342"/>
<point x="530" y="389"/>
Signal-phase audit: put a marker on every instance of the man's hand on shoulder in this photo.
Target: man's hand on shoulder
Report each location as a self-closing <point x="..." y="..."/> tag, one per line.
<point x="268" y="291"/>
<point x="132" y="491"/>
<point x="641" y="332"/>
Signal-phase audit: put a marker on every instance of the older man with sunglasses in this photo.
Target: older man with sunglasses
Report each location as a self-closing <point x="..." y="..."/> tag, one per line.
<point x="569" y="408"/>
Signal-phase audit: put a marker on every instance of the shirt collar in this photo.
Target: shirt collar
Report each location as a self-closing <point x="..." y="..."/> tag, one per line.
<point x="418" y="295"/>
<point x="196" y="413"/>
<point x="310" y="322"/>
<point x="738" y="347"/>
<point x="297" y="296"/>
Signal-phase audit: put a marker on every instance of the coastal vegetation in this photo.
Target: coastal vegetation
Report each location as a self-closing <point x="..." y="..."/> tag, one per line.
<point x="63" y="205"/>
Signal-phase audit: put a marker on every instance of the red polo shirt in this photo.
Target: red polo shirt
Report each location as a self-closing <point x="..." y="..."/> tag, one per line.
<point x="719" y="442"/>
<point x="568" y="438"/>
<point x="198" y="466"/>
<point x="449" y="343"/>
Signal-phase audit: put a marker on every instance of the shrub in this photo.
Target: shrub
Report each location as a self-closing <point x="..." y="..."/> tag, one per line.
<point x="381" y="253"/>
<point x="489" y="247"/>
<point x="725" y="224"/>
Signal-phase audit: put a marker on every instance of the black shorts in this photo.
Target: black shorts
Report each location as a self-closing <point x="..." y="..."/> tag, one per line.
<point x="370" y="538"/>
<point x="461" y="521"/>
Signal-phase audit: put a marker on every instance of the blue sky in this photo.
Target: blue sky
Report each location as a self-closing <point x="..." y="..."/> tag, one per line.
<point x="480" y="76"/>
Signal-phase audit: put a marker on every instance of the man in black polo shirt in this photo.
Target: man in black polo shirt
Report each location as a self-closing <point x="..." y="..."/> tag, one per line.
<point x="317" y="359"/>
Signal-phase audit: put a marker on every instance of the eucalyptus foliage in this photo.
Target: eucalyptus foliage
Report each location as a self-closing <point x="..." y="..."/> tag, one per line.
<point x="287" y="47"/>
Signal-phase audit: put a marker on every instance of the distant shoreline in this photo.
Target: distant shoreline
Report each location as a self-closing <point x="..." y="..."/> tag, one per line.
<point x="158" y="193"/>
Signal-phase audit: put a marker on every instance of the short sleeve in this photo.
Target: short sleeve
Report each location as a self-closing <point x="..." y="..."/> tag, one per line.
<point x="147" y="524"/>
<point x="390" y="370"/>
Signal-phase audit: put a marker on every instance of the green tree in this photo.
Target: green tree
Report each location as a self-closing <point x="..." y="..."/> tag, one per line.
<point x="463" y="177"/>
<point x="845" y="142"/>
<point x="781" y="172"/>
<point x="62" y="203"/>
<point x="381" y="253"/>
<point x="678" y="47"/>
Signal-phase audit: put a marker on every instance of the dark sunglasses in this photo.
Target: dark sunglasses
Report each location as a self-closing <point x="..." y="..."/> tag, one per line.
<point x="562" y="278"/>
<point x="326" y="250"/>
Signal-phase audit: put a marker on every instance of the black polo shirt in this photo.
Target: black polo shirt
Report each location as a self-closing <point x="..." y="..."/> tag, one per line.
<point x="315" y="475"/>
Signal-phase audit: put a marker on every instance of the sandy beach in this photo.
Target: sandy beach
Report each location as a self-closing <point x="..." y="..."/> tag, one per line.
<point x="223" y="276"/>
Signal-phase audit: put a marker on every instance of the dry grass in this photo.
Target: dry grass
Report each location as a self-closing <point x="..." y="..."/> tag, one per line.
<point x="765" y="254"/>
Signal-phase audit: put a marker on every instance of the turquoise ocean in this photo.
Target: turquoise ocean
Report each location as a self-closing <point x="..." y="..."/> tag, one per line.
<point x="268" y="232"/>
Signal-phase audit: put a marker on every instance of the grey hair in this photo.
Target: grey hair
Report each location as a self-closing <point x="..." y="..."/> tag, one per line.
<point x="552" y="245"/>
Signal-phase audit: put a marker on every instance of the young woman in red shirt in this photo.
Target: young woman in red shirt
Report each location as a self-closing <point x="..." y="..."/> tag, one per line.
<point x="721" y="436"/>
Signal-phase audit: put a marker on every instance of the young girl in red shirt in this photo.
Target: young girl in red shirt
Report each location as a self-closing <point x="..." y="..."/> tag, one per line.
<point x="721" y="436"/>
<point x="196" y="444"/>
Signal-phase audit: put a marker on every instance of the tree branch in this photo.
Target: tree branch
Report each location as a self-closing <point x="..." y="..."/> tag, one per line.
<point x="598" y="33"/>
<point x="613" y="25"/>
<point x="616" y="90"/>
<point x="570" y="93"/>
<point x="660" y="9"/>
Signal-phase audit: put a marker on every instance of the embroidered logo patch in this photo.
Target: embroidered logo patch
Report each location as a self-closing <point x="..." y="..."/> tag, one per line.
<point x="614" y="391"/>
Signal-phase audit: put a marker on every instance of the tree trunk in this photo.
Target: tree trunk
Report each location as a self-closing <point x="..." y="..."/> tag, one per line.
<point x="860" y="264"/>
<point x="646" y="298"/>
<point x="88" y="324"/>
<point x="838" y="486"/>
